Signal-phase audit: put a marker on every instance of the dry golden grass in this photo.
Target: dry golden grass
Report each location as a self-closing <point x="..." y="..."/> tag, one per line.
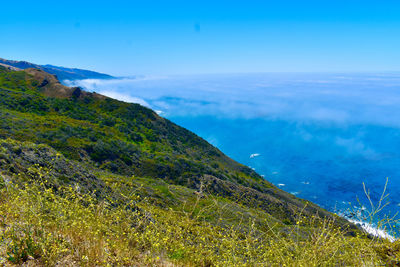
<point x="43" y="227"/>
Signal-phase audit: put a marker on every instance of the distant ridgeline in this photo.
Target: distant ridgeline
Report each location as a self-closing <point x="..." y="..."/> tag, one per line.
<point x="104" y="135"/>
<point x="61" y="72"/>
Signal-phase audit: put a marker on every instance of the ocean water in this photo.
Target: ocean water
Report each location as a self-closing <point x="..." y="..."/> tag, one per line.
<point x="318" y="136"/>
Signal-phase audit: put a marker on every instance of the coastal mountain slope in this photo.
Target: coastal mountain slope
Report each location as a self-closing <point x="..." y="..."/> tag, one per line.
<point x="129" y="139"/>
<point x="61" y="72"/>
<point x="89" y="180"/>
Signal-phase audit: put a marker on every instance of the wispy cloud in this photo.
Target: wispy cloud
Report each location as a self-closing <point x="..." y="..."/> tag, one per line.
<point x="113" y="88"/>
<point x="354" y="146"/>
<point x="125" y="97"/>
<point x="350" y="98"/>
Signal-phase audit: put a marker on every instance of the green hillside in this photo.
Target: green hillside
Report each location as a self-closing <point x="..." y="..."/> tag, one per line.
<point x="142" y="190"/>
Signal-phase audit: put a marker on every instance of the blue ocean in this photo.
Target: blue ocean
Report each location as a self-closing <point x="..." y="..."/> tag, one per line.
<point x="317" y="136"/>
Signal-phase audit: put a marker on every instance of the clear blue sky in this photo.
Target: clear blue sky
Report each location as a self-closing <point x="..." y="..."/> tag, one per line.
<point x="183" y="37"/>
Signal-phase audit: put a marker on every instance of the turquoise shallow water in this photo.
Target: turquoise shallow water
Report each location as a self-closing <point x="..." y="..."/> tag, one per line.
<point x="318" y="136"/>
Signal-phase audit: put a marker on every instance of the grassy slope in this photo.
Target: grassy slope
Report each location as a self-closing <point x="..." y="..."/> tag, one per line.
<point x="120" y="150"/>
<point x="68" y="214"/>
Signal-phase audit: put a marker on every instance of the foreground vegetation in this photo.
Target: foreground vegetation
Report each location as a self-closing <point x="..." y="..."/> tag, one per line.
<point x="70" y="228"/>
<point x="145" y="221"/>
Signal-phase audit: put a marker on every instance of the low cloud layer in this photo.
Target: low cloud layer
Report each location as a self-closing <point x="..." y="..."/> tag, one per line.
<point x="337" y="98"/>
<point x="114" y="88"/>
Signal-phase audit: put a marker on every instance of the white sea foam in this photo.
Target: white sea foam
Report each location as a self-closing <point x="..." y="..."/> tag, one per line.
<point x="281" y="185"/>
<point x="370" y="229"/>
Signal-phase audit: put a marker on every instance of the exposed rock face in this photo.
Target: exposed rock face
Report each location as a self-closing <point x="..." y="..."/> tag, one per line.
<point x="24" y="157"/>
